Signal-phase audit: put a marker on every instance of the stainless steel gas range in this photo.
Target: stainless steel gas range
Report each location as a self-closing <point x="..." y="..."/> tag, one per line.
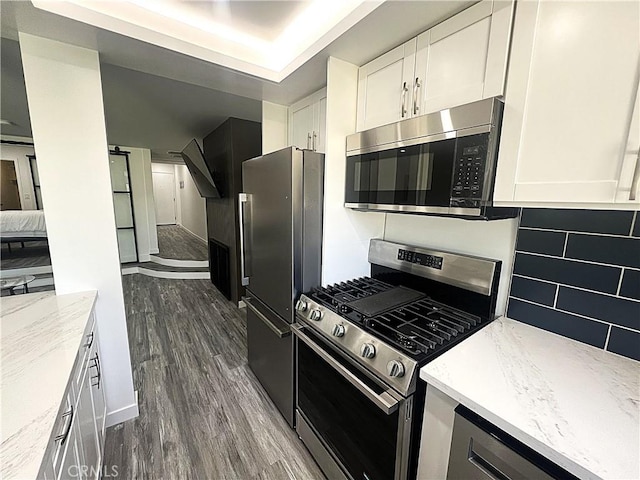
<point x="360" y="345"/>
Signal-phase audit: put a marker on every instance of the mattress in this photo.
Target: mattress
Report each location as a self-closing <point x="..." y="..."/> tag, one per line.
<point x="22" y="223"/>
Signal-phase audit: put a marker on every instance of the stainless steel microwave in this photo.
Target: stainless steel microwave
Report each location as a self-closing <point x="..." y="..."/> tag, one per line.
<point x="442" y="163"/>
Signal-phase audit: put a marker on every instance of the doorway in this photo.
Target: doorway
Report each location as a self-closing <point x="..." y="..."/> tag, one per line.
<point x="164" y="195"/>
<point x="9" y="192"/>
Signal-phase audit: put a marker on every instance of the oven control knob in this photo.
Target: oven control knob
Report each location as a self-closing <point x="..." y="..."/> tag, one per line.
<point x="301" y="305"/>
<point x="367" y="350"/>
<point x="395" y="368"/>
<point x="315" y="314"/>
<point x="337" y="330"/>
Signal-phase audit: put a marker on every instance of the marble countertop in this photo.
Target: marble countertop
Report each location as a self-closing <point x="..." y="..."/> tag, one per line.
<point x="40" y="337"/>
<point x="577" y="405"/>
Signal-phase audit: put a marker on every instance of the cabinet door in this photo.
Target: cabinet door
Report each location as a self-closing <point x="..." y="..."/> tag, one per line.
<point x="629" y="185"/>
<point x="97" y="396"/>
<point x="320" y="125"/>
<point x="88" y="438"/>
<point x="571" y="88"/>
<point x="302" y="127"/>
<point x="451" y="60"/>
<point x="71" y="466"/>
<point x="385" y="86"/>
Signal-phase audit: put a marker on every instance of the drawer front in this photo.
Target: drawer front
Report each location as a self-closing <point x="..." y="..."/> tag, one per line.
<point x="478" y="454"/>
<point x="89" y="341"/>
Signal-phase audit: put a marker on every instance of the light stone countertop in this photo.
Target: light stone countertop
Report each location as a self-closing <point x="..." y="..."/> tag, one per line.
<point x="40" y="336"/>
<point x="575" y="404"/>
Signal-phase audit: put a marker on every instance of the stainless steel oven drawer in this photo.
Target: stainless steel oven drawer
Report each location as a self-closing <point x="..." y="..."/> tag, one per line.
<point x="479" y="451"/>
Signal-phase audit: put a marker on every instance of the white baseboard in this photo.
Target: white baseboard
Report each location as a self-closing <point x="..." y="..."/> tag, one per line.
<point x="123" y="414"/>
<point x="195" y="235"/>
<point x="171" y="262"/>
<point x="167" y="275"/>
<point x="154" y="251"/>
<point x="175" y="275"/>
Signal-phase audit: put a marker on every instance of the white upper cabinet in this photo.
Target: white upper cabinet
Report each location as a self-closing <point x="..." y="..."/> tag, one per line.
<point x="570" y="128"/>
<point x="307" y="122"/>
<point x="385" y="87"/>
<point x="460" y="60"/>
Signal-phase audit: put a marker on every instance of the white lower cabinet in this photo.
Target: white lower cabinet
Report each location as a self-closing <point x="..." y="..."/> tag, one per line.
<point x="77" y="443"/>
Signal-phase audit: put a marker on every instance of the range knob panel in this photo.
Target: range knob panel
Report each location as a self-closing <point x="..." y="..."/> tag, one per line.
<point x="395" y="368"/>
<point x="368" y="350"/>
<point x="315" y="314"/>
<point x="301" y="305"/>
<point x="337" y="330"/>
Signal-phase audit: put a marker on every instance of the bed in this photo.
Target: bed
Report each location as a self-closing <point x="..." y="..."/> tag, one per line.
<point x="22" y="226"/>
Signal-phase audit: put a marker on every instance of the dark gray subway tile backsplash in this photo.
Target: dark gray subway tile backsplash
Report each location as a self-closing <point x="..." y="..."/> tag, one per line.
<point x="577" y="273"/>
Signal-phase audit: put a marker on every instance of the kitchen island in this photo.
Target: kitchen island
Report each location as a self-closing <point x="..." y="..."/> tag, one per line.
<point x="576" y="405"/>
<point x="40" y="344"/>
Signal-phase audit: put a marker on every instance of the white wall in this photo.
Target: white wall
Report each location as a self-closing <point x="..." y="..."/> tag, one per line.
<point x="64" y="92"/>
<point x="346" y="232"/>
<point x="495" y="239"/>
<point x="143" y="208"/>
<point x="191" y="207"/>
<point x="162" y="167"/>
<point x="19" y="153"/>
<point x="275" y="128"/>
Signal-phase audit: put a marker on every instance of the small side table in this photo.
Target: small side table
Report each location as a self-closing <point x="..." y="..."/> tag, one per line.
<point x="15" y="282"/>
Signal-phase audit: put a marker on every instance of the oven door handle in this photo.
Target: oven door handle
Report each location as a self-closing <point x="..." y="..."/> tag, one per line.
<point x="385" y="401"/>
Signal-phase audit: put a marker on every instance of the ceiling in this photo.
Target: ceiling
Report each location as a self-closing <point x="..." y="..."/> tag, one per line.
<point x="264" y="19"/>
<point x="225" y="32"/>
<point x="159" y="99"/>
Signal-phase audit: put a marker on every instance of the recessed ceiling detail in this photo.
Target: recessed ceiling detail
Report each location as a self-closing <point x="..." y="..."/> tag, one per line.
<point x="267" y="39"/>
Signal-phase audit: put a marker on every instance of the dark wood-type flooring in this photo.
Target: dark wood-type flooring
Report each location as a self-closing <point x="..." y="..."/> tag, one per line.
<point x="175" y="242"/>
<point x="203" y="414"/>
<point x="34" y="254"/>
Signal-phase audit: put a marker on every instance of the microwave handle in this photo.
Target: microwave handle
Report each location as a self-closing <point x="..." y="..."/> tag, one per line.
<point x="384" y="401"/>
<point x="243" y="198"/>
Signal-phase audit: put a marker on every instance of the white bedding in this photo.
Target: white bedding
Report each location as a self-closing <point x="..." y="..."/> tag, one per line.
<point x="22" y="223"/>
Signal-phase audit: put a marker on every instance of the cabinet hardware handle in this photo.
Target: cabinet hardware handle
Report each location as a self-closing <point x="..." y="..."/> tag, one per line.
<point x="63" y="436"/>
<point x="96" y="364"/>
<point x="89" y="340"/>
<point x="636" y="178"/>
<point x="315" y="136"/>
<point x="416" y="86"/>
<point x="404" y="99"/>
<point x="309" y="141"/>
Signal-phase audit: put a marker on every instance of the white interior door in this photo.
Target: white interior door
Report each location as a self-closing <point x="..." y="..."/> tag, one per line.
<point x="164" y="197"/>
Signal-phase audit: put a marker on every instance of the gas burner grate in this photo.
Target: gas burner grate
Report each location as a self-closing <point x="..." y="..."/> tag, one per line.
<point x="423" y="326"/>
<point x="333" y="296"/>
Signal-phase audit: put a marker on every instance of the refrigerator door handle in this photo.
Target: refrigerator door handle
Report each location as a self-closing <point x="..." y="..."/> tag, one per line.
<point x="281" y="332"/>
<point x="243" y="198"/>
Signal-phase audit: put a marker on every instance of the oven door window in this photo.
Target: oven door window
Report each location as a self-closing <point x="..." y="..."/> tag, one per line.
<point x="363" y="437"/>
<point x="416" y="175"/>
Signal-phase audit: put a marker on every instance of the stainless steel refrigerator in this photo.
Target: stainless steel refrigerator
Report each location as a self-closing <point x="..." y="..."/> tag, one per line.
<point x="281" y="235"/>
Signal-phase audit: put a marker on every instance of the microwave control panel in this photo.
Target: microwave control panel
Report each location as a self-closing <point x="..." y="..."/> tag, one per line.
<point x="423" y="259"/>
<point x="469" y="168"/>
